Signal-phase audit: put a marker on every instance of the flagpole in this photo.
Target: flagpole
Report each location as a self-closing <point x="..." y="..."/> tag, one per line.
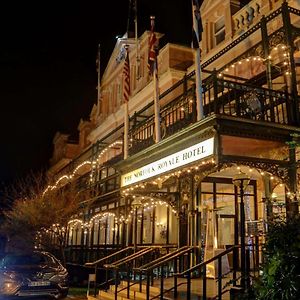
<point x="156" y="104"/>
<point x="126" y="95"/>
<point x="98" y="83"/>
<point x="197" y="55"/>
<point x="156" y="85"/>
<point x="199" y="95"/>
<point x="126" y="129"/>
<point x="138" y="75"/>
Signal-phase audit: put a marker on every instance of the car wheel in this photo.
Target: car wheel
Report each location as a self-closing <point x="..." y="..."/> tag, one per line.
<point x="63" y="295"/>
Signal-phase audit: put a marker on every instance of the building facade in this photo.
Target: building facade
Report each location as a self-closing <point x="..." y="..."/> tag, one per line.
<point x="187" y="189"/>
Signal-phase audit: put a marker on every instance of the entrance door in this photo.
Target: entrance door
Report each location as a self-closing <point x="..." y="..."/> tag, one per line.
<point x="220" y="196"/>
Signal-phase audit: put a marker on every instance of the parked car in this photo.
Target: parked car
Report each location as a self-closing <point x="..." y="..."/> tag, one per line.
<point x="37" y="274"/>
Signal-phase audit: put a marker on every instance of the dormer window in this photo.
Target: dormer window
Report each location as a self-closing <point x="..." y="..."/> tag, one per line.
<point x="219" y="31"/>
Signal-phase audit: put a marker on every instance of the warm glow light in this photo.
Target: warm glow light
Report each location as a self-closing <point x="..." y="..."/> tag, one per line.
<point x="170" y="162"/>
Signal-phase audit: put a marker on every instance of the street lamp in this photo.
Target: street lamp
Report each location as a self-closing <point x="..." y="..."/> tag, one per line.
<point x="241" y="180"/>
<point x="135" y="204"/>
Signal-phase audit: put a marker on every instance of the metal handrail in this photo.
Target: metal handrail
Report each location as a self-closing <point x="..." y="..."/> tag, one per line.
<point x="97" y="262"/>
<point x="164" y="259"/>
<point x="129" y="258"/>
<point x="160" y="263"/>
<point x="101" y="260"/>
<point x="202" y="266"/>
<point x="132" y="258"/>
<point x="194" y="268"/>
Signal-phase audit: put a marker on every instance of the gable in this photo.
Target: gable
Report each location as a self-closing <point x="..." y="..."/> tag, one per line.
<point x="114" y="62"/>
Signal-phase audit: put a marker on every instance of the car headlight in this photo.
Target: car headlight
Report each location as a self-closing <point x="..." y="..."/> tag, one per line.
<point x="9" y="287"/>
<point x="8" y="283"/>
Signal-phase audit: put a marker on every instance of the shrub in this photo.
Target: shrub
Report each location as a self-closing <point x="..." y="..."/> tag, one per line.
<point x="280" y="277"/>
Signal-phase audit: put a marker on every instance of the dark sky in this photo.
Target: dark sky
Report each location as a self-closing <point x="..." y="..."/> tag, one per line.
<point x="47" y="67"/>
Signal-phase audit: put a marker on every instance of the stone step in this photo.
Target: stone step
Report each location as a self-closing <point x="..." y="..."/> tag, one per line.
<point x="136" y="287"/>
<point x="122" y="291"/>
<point x="134" y="291"/>
<point x="111" y="296"/>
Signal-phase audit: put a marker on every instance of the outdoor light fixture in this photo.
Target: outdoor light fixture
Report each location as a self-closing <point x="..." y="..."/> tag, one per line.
<point x="241" y="181"/>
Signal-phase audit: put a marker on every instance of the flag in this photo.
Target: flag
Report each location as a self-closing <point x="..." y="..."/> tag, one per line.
<point x="126" y="78"/>
<point x="197" y="25"/>
<point x="152" y="56"/>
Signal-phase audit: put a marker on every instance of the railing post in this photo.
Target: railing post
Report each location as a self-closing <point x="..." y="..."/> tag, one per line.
<point x="175" y="278"/>
<point x="106" y="278"/>
<point x="247" y="281"/>
<point x="220" y="278"/>
<point x="116" y="283"/>
<point x="204" y="288"/>
<point x="128" y="283"/>
<point x="148" y="286"/>
<point x="188" y="292"/>
<point x="162" y="282"/>
<point x="140" y="279"/>
<point x="235" y="255"/>
<point x="95" y="289"/>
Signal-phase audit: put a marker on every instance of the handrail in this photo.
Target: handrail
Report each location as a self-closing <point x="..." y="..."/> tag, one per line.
<point x="198" y="266"/>
<point x="90" y="264"/>
<point x="163" y="259"/>
<point x="129" y="258"/>
<point x="168" y="259"/>
<point x="116" y="266"/>
<point x="202" y="267"/>
<point x="148" y="268"/>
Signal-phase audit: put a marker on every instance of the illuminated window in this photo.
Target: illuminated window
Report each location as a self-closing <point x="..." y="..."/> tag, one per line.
<point x="219" y="31"/>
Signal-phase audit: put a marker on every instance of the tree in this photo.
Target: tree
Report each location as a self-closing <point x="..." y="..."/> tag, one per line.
<point x="39" y="216"/>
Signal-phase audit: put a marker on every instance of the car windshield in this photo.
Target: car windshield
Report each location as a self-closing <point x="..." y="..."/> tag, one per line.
<point x="11" y="260"/>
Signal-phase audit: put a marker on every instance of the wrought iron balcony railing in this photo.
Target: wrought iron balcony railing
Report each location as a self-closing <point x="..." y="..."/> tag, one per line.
<point x="221" y="97"/>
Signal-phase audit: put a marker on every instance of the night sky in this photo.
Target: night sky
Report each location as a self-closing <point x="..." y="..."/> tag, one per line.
<point x="47" y="67"/>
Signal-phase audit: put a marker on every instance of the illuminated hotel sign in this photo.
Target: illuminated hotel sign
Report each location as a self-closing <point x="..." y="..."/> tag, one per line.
<point x="170" y="162"/>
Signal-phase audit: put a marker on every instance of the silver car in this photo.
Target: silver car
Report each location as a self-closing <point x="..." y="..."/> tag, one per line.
<point x="37" y="274"/>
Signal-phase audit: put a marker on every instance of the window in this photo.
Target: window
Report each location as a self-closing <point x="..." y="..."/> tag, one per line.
<point x="219" y="31"/>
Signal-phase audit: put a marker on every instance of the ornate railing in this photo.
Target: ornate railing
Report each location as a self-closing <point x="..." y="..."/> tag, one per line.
<point x="222" y="97"/>
<point x="247" y="16"/>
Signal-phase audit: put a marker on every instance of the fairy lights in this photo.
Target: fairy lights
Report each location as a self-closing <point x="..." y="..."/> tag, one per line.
<point x="76" y="170"/>
<point x="278" y="51"/>
<point x="113" y="145"/>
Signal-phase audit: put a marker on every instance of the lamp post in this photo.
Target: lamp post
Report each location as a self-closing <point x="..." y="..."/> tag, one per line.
<point x="135" y="204"/>
<point x="241" y="180"/>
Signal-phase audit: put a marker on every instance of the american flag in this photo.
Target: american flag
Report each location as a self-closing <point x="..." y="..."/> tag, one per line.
<point x="126" y="78"/>
<point x="152" y="56"/>
<point x="197" y="25"/>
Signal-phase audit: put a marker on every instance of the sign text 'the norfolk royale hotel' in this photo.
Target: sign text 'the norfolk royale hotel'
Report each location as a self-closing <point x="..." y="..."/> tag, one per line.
<point x="170" y="162"/>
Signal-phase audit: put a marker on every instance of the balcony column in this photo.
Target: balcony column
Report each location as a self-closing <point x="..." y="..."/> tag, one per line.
<point x="265" y="43"/>
<point x="288" y="28"/>
<point x="292" y="207"/>
<point x="241" y="181"/>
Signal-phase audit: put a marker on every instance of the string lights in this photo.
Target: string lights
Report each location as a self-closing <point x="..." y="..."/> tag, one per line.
<point x="271" y="59"/>
<point x="87" y="162"/>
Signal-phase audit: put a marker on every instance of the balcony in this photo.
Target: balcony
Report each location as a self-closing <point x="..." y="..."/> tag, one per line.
<point x="221" y="96"/>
